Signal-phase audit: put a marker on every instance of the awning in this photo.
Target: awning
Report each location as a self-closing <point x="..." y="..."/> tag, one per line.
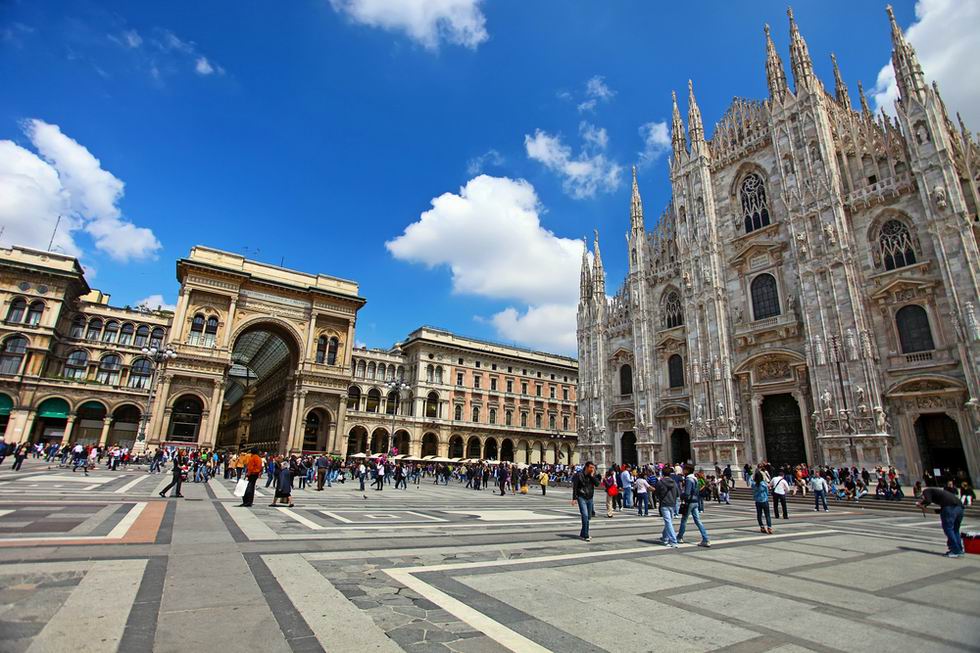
<point x="54" y="407"/>
<point x="6" y="404"/>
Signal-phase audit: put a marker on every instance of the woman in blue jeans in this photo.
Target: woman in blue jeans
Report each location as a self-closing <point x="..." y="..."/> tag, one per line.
<point x="584" y="483"/>
<point x="760" y="492"/>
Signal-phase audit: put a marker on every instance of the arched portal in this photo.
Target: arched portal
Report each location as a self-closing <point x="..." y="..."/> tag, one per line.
<point x="456" y="446"/>
<point x="264" y="356"/>
<point x="430" y="445"/>
<point x="185" y="420"/>
<point x="125" y="425"/>
<point x="379" y="441"/>
<point x="316" y="430"/>
<point x="783" y="430"/>
<point x="89" y="421"/>
<point x="680" y="446"/>
<point x="401" y="442"/>
<point x="357" y="441"/>
<point x="490" y="449"/>
<point x="52" y="417"/>
<point x="507" y="450"/>
<point x="940" y="446"/>
<point x="473" y="447"/>
<point x="627" y="446"/>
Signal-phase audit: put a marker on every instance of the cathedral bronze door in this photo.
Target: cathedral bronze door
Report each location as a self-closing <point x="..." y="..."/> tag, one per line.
<point x="628" y="448"/>
<point x="680" y="446"/>
<point x="940" y="446"/>
<point x="783" y="430"/>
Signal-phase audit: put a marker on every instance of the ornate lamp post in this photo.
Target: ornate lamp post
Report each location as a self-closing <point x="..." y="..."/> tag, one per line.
<point x="159" y="358"/>
<point x="397" y="387"/>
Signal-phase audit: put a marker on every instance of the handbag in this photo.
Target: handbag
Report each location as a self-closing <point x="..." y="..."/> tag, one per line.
<point x="240" y="487"/>
<point x="613" y="490"/>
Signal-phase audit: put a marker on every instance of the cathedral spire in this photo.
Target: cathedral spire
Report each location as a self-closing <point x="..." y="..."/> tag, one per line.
<point x="694" y="119"/>
<point x="799" y="56"/>
<point x="774" y="70"/>
<point x="864" y="101"/>
<point x="840" y="88"/>
<point x="636" y="206"/>
<point x="677" y="135"/>
<point x="908" y="72"/>
<point x="585" y="283"/>
<point x="598" y="273"/>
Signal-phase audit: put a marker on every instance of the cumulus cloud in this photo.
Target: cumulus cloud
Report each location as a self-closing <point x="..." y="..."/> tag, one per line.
<point x="64" y="179"/>
<point x="156" y="303"/>
<point x="656" y="142"/>
<point x="583" y="175"/>
<point x="490" y="236"/>
<point x="428" y="22"/>
<point x="944" y="35"/>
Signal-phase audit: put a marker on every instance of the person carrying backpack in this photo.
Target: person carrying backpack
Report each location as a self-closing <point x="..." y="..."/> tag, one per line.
<point x="692" y="504"/>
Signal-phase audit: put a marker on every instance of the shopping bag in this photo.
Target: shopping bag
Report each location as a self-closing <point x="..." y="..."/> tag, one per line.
<point x="240" y="487"/>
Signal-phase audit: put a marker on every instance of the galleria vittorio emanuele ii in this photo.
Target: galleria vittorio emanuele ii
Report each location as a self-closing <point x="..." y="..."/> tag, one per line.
<point x="810" y="292"/>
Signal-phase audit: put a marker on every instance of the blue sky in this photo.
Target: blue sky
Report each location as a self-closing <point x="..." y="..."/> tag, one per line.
<point x="314" y="132"/>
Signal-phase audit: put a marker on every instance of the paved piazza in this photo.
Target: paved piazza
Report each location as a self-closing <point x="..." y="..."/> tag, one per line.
<point x="100" y="563"/>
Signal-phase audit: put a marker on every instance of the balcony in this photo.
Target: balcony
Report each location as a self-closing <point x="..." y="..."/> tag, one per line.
<point x="920" y="360"/>
<point x="878" y="192"/>
<point x="777" y="327"/>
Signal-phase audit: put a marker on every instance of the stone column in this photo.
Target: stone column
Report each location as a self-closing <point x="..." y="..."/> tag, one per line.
<point x="807" y="436"/>
<point x="70" y="422"/>
<point x="340" y="430"/>
<point x="104" y="436"/>
<point x="309" y="337"/>
<point x="158" y="414"/>
<point x="20" y="424"/>
<point x="299" y="425"/>
<point x="214" y="421"/>
<point x="229" y="323"/>
<point x="177" y="331"/>
<point x="758" y="437"/>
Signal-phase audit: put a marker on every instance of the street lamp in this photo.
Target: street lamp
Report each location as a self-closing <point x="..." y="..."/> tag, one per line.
<point x="398" y="387"/>
<point x="159" y="358"/>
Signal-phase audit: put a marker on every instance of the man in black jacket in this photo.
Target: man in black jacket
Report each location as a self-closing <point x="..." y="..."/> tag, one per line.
<point x="667" y="496"/>
<point x="950" y="516"/>
<point x="584" y="483"/>
<point x="176" y="478"/>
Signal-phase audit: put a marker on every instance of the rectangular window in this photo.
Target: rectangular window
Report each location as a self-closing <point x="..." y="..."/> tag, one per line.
<point x="564" y="394"/>
<point x="476" y="382"/>
<point x="523" y="388"/>
<point x="510" y="385"/>
<point x="493" y="384"/>
<point x="459" y="378"/>
<point x="508" y="417"/>
<point x="537" y="420"/>
<point x="537" y="389"/>
<point x="551" y="391"/>
<point x="523" y="419"/>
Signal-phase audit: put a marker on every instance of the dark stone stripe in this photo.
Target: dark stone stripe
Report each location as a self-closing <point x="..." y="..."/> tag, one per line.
<point x="141" y="626"/>
<point x="236" y="533"/>
<point x="294" y="628"/>
<point x="166" y="531"/>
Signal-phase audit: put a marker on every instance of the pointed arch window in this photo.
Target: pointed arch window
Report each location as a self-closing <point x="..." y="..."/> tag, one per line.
<point x="765" y="297"/>
<point x="755" y="203"/>
<point x="673" y="312"/>
<point x="458" y="413"/>
<point x="895" y="245"/>
<point x="914" y="332"/>
<point x="492" y="416"/>
<point x="675" y="371"/>
<point x="476" y="414"/>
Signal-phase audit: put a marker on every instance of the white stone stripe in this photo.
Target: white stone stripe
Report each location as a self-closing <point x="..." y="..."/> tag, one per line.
<point x="129" y="486"/>
<point x="5" y="512"/>
<point x="495" y="630"/>
<point x="220" y="491"/>
<point x="312" y="525"/>
<point x="127" y="521"/>
<point x="89" y="621"/>
<point x="251" y="526"/>
<point x="342" y="623"/>
<point x="334" y="515"/>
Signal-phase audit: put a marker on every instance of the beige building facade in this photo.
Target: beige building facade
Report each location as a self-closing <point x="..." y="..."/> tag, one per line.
<point x="810" y="293"/>
<point x="262" y="356"/>
<point x="446" y="395"/>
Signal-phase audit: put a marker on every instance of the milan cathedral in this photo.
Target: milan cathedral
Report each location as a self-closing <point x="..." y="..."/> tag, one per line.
<point x="810" y="293"/>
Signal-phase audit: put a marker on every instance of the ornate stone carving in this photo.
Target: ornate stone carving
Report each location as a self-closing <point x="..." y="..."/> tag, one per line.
<point x="939" y="197"/>
<point x="773" y="369"/>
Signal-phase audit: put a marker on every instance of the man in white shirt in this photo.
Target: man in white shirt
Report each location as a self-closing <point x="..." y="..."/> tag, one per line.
<point x="78" y="458"/>
<point x="626" y="480"/>
<point x="819" y="486"/>
<point x="779" y="489"/>
<point x="361" y="474"/>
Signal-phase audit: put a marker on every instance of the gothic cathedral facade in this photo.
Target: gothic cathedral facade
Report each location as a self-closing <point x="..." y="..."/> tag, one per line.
<point x="809" y="295"/>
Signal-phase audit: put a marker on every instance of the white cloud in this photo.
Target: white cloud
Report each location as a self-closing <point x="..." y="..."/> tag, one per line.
<point x="594" y="136"/>
<point x="164" y="53"/>
<point x="656" y="141"/>
<point x="460" y="22"/>
<point x="583" y="175"/>
<point x="489" y="235"/>
<point x="203" y="66"/>
<point x="550" y="326"/>
<point x="944" y="36"/>
<point x="156" y="302"/>
<point x="596" y="90"/>
<point x="132" y="38"/>
<point x="64" y="179"/>
<point x="478" y="164"/>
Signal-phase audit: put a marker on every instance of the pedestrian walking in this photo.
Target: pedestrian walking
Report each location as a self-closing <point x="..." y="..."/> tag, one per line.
<point x="543" y="481"/>
<point x="667" y="497"/>
<point x="760" y="492"/>
<point x="177" y="477"/>
<point x="641" y="488"/>
<point x="780" y="486"/>
<point x="950" y="517"/>
<point x="692" y="503"/>
<point x="584" y="483"/>
<point x="819" y="486"/>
